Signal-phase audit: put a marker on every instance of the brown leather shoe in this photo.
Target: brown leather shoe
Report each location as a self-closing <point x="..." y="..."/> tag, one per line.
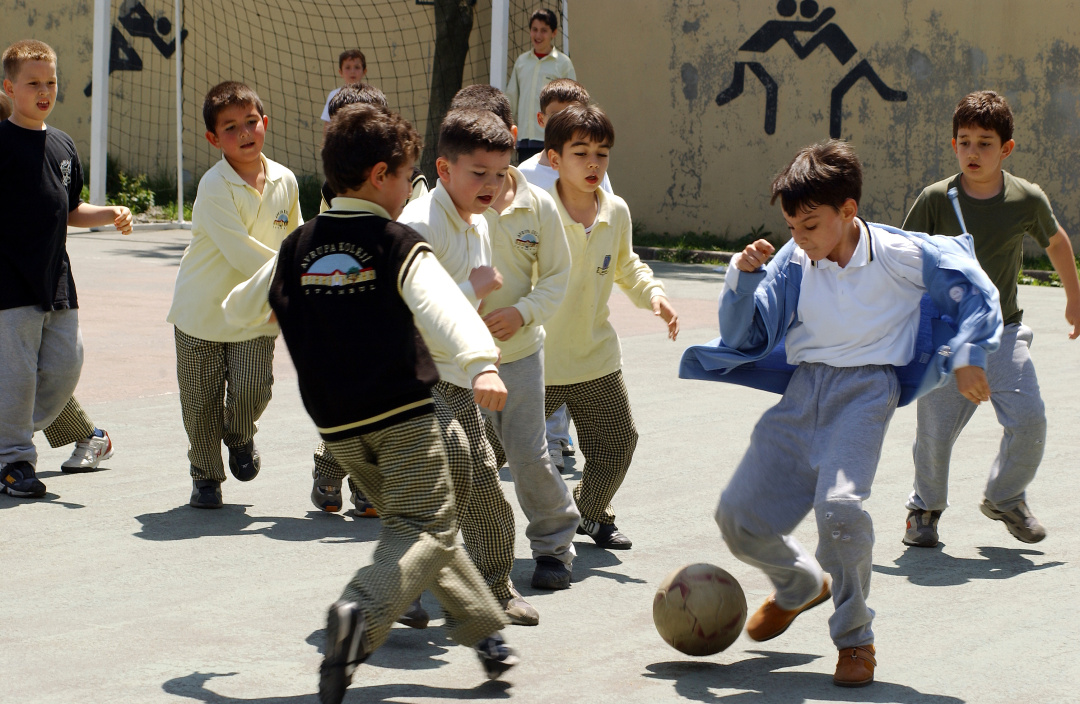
<point x="770" y="620"/>
<point x="855" y="667"/>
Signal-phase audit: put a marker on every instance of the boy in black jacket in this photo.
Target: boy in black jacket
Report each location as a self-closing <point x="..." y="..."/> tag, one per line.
<point x="344" y="289"/>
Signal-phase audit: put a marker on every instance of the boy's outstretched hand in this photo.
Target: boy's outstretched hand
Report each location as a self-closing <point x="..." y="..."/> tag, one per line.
<point x="972" y="384"/>
<point x="484" y="280"/>
<point x="122" y="219"/>
<point x="1072" y="317"/>
<point x="754" y="256"/>
<point x="662" y="306"/>
<point x="489" y="391"/>
<point x="504" y="322"/>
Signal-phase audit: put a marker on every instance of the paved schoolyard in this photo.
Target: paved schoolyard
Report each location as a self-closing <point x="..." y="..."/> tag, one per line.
<point x="116" y="591"/>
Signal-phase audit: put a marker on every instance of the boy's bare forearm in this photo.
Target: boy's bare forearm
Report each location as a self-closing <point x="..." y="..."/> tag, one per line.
<point x="1060" y="253"/>
<point x="87" y="215"/>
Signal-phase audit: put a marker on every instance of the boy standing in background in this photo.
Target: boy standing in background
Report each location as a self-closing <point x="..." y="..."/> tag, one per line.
<point x="999" y="209"/>
<point x="533" y="70"/>
<point x="352" y="67"/>
<point x="245" y="206"/>
<point x="40" y="193"/>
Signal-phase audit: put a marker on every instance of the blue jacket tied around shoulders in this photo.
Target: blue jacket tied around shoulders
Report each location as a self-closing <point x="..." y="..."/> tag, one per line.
<point x="755" y="318"/>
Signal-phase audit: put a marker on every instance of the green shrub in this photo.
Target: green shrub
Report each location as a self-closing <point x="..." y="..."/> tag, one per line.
<point x="310" y="187"/>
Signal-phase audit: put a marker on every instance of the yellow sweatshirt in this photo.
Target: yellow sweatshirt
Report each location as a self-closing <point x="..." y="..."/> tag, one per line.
<point x="234" y="231"/>
<point x="527" y="241"/>
<point x="581" y="343"/>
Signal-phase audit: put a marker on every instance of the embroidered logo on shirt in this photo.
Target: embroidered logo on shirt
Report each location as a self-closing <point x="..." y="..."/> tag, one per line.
<point x="527" y="240"/>
<point x="281" y="222"/>
<point x="337" y="270"/>
<point x="956" y="293"/>
<point x="65" y="171"/>
<point x="602" y="270"/>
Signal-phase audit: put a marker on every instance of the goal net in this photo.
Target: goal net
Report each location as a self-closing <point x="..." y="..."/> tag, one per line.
<point x="287" y="51"/>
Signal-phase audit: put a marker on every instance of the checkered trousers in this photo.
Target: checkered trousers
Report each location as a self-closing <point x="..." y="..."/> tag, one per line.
<point x="224" y="388"/>
<point x="71" y="426"/>
<point x="404" y="472"/>
<point x="487" y="521"/>
<point x="607" y="437"/>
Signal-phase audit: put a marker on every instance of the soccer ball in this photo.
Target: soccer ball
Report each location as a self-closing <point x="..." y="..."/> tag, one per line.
<point x="699" y="609"/>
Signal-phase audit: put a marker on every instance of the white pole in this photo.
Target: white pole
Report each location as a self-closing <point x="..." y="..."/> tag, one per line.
<point x="500" y="38"/>
<point x="566" y="27"/>
<point x="178" y="30"/>
<point x="99" y="101"/>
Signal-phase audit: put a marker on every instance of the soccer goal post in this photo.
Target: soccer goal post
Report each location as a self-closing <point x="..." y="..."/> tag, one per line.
<point x="154" y="60"/>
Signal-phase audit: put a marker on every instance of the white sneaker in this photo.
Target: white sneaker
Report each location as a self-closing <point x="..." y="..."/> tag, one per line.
<point x="89" y="453"/>
<point x="557" y="458"/>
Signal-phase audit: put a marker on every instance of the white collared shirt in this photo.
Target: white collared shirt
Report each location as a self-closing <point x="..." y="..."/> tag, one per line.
<point x="864" y="313"/>
<point x="234" y="231"/>
<point x="459" y="245"/>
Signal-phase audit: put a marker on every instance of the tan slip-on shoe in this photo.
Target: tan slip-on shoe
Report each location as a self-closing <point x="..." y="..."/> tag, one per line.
<point x="770" y="620"/>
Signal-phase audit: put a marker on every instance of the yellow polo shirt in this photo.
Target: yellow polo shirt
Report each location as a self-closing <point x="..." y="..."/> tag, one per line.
<point x="581" y="343"/>
<point x="527" y="241"/>
<point x="528" y="78"/>
<point x="234" y="231"/>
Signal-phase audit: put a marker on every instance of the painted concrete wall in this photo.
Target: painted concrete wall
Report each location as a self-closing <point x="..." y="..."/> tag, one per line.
<point x="684" y="162"/>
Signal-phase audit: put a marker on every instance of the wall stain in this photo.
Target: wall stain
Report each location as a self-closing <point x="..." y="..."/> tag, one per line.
<point x="689" y="81"/>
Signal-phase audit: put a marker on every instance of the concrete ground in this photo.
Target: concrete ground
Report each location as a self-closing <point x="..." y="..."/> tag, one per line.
<point x="117" y="591"/>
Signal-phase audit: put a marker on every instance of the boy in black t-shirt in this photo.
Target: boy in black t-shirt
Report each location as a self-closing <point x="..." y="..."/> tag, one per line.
<point x="40" y="344"/>
<point x="345" y="288"/>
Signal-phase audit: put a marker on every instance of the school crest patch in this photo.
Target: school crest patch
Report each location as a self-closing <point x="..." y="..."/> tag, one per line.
<point x="527" y="241"/>
<point x="281" y="222"/>
<point x="337" y="270"/>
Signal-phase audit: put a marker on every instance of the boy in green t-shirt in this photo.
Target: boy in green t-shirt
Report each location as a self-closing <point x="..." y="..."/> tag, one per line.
<point x="999" y="209"/>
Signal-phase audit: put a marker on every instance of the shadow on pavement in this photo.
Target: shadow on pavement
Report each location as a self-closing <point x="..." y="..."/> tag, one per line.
<point x="168" y="253"/>
<point x="186" y="523"/>
<point x="931" y="567"/>
<point x="7" y="501"/>
<point x="194" y="687"/>
<point x="405" y="648"/>
<point x="589" y="563"/>
<point x="761" y="683"/>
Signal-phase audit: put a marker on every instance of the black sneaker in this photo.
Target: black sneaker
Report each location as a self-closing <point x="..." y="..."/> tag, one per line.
<point x="921" y="528"/>
<point x="496" y="656"/>
<point x="206" y="493"/>
<point x="606" y="535"/>
<point x="345" y="650"/>
<point x="550" y="573"/>
<point x="19" y="479"/>
<point x="244" y="462"/>
<point x="415" y="616"/>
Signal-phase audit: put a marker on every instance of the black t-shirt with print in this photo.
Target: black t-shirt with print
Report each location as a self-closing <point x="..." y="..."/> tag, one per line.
<point x="40" y="183"/>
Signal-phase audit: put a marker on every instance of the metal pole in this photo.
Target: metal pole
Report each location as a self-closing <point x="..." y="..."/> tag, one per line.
<point x="566" y="27"/>
<point x="178" y="31"/>
<point x="500" y="38"/>
<point x="99" y="101"/>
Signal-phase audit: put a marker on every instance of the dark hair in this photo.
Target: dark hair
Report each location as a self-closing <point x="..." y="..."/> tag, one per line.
<point x="467" y="129"/>
<point x="563" y="90"/>
<point x="359" y="137"/>
<point x="352" y="93"/>
<point x="26" y="50"/>
<point x="481" y="96"/>
<point x="352" y="54"/>
<point x="225" y="95"/>
<point x="821" y="174"/>
<point x="546" y="16"/>
<point x="985" y="109"/>
<point x="577" y="120"/>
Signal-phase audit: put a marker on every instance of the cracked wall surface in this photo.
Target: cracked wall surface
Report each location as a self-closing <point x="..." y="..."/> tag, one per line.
<point x="685" y="163"/>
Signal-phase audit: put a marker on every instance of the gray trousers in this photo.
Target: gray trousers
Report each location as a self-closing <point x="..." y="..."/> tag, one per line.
<point x="41" y="356"/>
<point x="558" y="428"/>
<point x="943" y="413"/>
<point x="517" y="434"/>
<point x="817" y="449"/>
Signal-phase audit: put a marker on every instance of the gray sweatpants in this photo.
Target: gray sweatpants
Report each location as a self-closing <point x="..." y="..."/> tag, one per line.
<point x="943" y="413"/>
<point x="816" y="449"/>
<point x="41" y="356"/>
<point x="521" y="434"/>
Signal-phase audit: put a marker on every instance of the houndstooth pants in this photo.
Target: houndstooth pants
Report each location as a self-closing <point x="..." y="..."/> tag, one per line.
<point x="607" y="437"/>
<point x="71" y="426"/>
<point x="239" y="373"/>
<point x="487" y="521"/>
<point x="404" y="471"/>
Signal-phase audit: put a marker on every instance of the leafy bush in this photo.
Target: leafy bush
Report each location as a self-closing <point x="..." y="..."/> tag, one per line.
<point x="310" y="187"/>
